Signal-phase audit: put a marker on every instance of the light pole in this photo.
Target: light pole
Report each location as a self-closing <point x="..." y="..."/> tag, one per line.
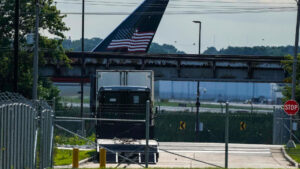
<point x="198" y="85"/>
<point x="82" y="69"/>
<point x="199" y="49"/>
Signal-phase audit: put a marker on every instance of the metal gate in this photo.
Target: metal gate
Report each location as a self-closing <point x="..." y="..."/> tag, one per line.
<point x="280" y="127"/>
<point x="20" y="123"/>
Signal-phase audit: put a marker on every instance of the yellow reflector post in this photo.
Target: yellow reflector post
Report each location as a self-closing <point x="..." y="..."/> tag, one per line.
<point x="75" y="163"/>
<point x="102" y="158"/>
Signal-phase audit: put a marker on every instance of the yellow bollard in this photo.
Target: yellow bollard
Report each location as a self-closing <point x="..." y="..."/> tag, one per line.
<point x="75" y="163"/>
<point x="102" y="157"/>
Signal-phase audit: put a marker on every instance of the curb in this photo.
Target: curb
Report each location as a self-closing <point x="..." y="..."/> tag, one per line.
<point x="288" y="158"/>
<point x="86" y="160"/>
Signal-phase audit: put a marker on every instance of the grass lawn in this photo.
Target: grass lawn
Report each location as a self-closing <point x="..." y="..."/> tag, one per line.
<point x="64" y="157"/>
<point x="294" y="153"/>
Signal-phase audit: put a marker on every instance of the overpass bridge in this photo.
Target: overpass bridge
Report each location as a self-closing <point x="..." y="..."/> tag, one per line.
<point x="181" y="67"/>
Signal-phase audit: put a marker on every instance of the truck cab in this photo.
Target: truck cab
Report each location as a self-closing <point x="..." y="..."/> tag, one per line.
<point x="123" y="103"/>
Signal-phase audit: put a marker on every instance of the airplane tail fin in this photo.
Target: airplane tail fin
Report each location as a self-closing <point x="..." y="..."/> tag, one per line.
<point x="136" y="32"/>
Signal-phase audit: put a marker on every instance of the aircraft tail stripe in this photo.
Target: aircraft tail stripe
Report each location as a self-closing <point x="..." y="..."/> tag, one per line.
<point x="130" y="45"/>
<point x="141" y="37"/>
<point x="129" y="42"/>
<point x="139" y="43"/>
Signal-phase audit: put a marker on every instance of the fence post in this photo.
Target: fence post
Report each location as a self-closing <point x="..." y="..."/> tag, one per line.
<point x="274" y="126"/>
<point x="1" y="134"/>
<point x="221" y="107"/>
<point x="226" y="135"/>
<point x="52" y="139"/>
<point x="41" y="162"/>
<point x="147" y="133"/>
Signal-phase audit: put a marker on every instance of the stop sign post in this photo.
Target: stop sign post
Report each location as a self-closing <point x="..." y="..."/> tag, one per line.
<point x="291" y="107"/>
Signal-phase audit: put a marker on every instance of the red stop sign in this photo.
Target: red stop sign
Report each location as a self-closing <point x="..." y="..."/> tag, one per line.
<point x="291" y="107"/>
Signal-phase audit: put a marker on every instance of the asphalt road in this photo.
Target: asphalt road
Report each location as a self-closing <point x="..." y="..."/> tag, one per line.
<point x="191" y="155"/>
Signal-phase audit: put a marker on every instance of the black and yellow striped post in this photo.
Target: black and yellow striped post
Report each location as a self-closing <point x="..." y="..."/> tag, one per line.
<point x="75" y="163"/>
<point x="102" y="157"/>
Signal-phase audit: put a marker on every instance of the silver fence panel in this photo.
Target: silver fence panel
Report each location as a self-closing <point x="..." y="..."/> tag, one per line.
<point x="20" y="120"/>
<point x="15" y="138"/>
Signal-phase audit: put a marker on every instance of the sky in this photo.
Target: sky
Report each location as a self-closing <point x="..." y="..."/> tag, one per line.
<point x="224" y="22"/>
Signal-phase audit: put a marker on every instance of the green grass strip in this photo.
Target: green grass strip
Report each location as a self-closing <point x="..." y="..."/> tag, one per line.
<point x="64" y="157"/>
<point x="294" y="153"/>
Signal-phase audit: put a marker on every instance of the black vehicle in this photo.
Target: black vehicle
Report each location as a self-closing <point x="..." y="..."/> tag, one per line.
<point x="123" y="103"/>
<point x="119" y="106"/>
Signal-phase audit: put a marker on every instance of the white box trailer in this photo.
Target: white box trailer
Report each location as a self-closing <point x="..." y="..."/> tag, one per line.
<point x="125" y="78"/>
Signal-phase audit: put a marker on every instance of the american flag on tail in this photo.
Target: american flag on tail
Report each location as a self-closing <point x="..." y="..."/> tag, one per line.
<point x="134" y="41"/>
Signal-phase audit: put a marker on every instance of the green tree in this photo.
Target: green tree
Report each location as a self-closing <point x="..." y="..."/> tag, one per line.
<point x="165" y="48"/>
<point x="287" y="90"/>
<point x="256" y="50"/>
<point x="50" y="22"/>
<point x="75" y="45"/>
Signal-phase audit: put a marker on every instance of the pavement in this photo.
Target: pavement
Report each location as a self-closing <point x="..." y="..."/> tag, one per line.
<point x="192" y="155"/>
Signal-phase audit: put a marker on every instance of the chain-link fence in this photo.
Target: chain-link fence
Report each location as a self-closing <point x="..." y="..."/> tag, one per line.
<point x="26" y="132"/>
<point x="176" y="121"/>
<point x="285" y="127"/>
<point x="175" y="130"/>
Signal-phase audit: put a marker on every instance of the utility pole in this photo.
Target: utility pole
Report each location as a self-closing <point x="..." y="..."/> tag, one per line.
<point x="295" y="53"/>
<point x="82" y="69"/>
<point x="291" y="143"/>
<point x="36" y="51"/>
<point x="16" y="45"/>
<point x="198" y="86"/>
